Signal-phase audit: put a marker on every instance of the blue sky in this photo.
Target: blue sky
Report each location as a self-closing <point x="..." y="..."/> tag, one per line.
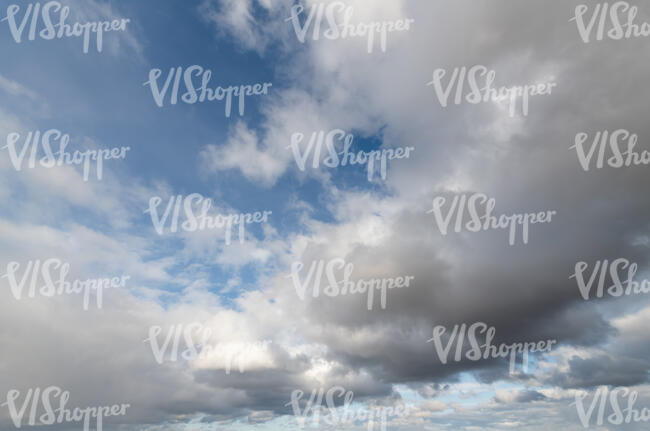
<point x="244" y="164"/>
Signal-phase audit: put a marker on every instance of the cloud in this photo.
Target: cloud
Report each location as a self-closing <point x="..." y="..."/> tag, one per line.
<point x="242" y="151"/>
<point x="524" y="291"/>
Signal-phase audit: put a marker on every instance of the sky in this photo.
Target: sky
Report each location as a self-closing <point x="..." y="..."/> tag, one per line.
<point x="264" y="339"/>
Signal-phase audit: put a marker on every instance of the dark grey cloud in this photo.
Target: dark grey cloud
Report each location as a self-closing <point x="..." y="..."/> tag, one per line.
<point x="524" y="291"/>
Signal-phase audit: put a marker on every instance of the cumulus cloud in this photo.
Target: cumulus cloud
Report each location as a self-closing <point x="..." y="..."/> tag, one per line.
<point x="524" y="291"/>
